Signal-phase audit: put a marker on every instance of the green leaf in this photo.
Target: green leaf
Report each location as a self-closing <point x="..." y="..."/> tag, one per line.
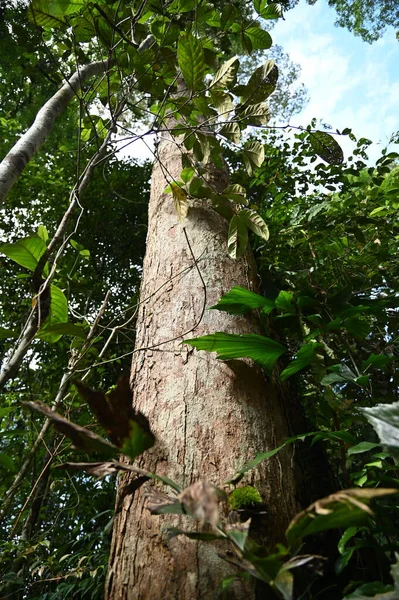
<point x="346" y="536"/>
<point x="7" y="462"/>
<point x="236" y="193"/>
<point x="268" y="10"/>
<point x="377" y="360"/>
<point x="51" y="13"/>
<point x="303" y="358"/>
<point x="25" y="252"/>
<point x="317" y="435"/>
<point x="362" y="447"/>
<point x="238" y="536"/>
<point x="7" y="333"/>
<point x="254" y="155"/>
<point x="346" y="508"/>
<point x="187" y="174"/>
<point x="231" y="131"/>
<point x="262" y="350"/>
<point x="385" y="420"/>
<point x="191" y="61"/>
<point x="284" y="301"/>
<point x="357" y="327"/>
<point x="42" y="233"/>
<point x="58" y="305"/>
<point x="347" y="554"/>
<point x="58" y="315"/>
<point x="254" y="222"/>
<point x="223" y="102"/>
<point x="226" y="76"/>
<point x="140" y="438"/>
<point x="239" y="300"/>
<point x="59" y="329"/>
<point x="332" y="378"/>
<point x="326" y="147"/>
<point x="254" y="114"/>
<point x="261" y="84"/>
<point x="260" y="39"/>
<point x="229" y="16"/>
<point x="237" y="237"/>
<point x="198" y="188"/>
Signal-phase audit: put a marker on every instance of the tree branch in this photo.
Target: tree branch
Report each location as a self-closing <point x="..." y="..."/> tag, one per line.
<point x="16" y="160"/>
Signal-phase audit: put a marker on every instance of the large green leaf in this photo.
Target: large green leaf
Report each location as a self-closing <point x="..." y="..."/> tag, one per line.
<point x="385" y="420"/>
<point x="261" y="84"/>
<point x="254" y="222"/>
<point x="342" y="509"/>
<point x="191" y="61"/>
<point x="326" y="147"/>
<point x="25" y="252"/>
<point x="237" y="237"/>
<point x="7" y="333"/>
<point x="225" y="77"/>
<point x="59" y="329"/>
<point x="223" y="103"/>
<point x="259" y="38"/>
<point x="58" y="315"/>
<point x="284" y="301"/>
<point x="268" y="10"/>
<point x="316" y="435"/>
<point x="379" y="590"/>
<point x="232" y="132"/>
<point x="51" y="13"/>
<point x="253" y="155"/>
<point x="303" y="358"/>
<point x="236" y="193"/>
<point x="262" y="350"/>
<point x="7" y="462"/>
<point x="239" y="300"/>
<point x="253" y="114"/>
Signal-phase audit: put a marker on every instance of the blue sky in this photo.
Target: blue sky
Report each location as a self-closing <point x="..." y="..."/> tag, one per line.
<point x="350" y="83"/>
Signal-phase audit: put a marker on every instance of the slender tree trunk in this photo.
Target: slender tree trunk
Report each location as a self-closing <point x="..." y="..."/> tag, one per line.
<point x="209" y="417"/>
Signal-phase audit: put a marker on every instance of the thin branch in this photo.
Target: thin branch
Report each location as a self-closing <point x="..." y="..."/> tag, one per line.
<point x="11" y="367"/>
<point x="61" y="395"/>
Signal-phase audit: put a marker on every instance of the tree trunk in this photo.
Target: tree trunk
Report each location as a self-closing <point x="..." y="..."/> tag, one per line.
<point x="209" y="417"/>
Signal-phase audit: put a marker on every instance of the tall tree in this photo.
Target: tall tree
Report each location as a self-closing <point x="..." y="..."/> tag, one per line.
<point x="207" y="416"/>
<point x="221" y="415"/>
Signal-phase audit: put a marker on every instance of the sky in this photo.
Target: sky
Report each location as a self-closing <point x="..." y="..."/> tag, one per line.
<point x="350" y="83"/>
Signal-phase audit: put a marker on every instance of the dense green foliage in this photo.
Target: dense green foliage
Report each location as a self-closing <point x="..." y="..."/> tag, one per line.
<point x="325" y="238"/>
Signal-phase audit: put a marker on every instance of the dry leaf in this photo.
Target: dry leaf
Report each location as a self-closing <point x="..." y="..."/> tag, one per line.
<point x="201" y="501"/>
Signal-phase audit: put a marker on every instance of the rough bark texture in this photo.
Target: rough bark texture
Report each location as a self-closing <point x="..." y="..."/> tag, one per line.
<point x="209" y="417"/>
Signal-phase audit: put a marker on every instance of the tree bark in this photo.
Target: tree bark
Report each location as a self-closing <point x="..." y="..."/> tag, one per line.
<point x="209" y="417"/>
<point x="29" y="143"/>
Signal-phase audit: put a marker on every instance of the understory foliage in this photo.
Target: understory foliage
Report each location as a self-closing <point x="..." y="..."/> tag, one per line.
<point x="325" y="236"/>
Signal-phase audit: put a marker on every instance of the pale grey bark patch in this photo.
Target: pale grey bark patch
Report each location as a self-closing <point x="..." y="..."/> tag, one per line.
<point x="29" y="143"/>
